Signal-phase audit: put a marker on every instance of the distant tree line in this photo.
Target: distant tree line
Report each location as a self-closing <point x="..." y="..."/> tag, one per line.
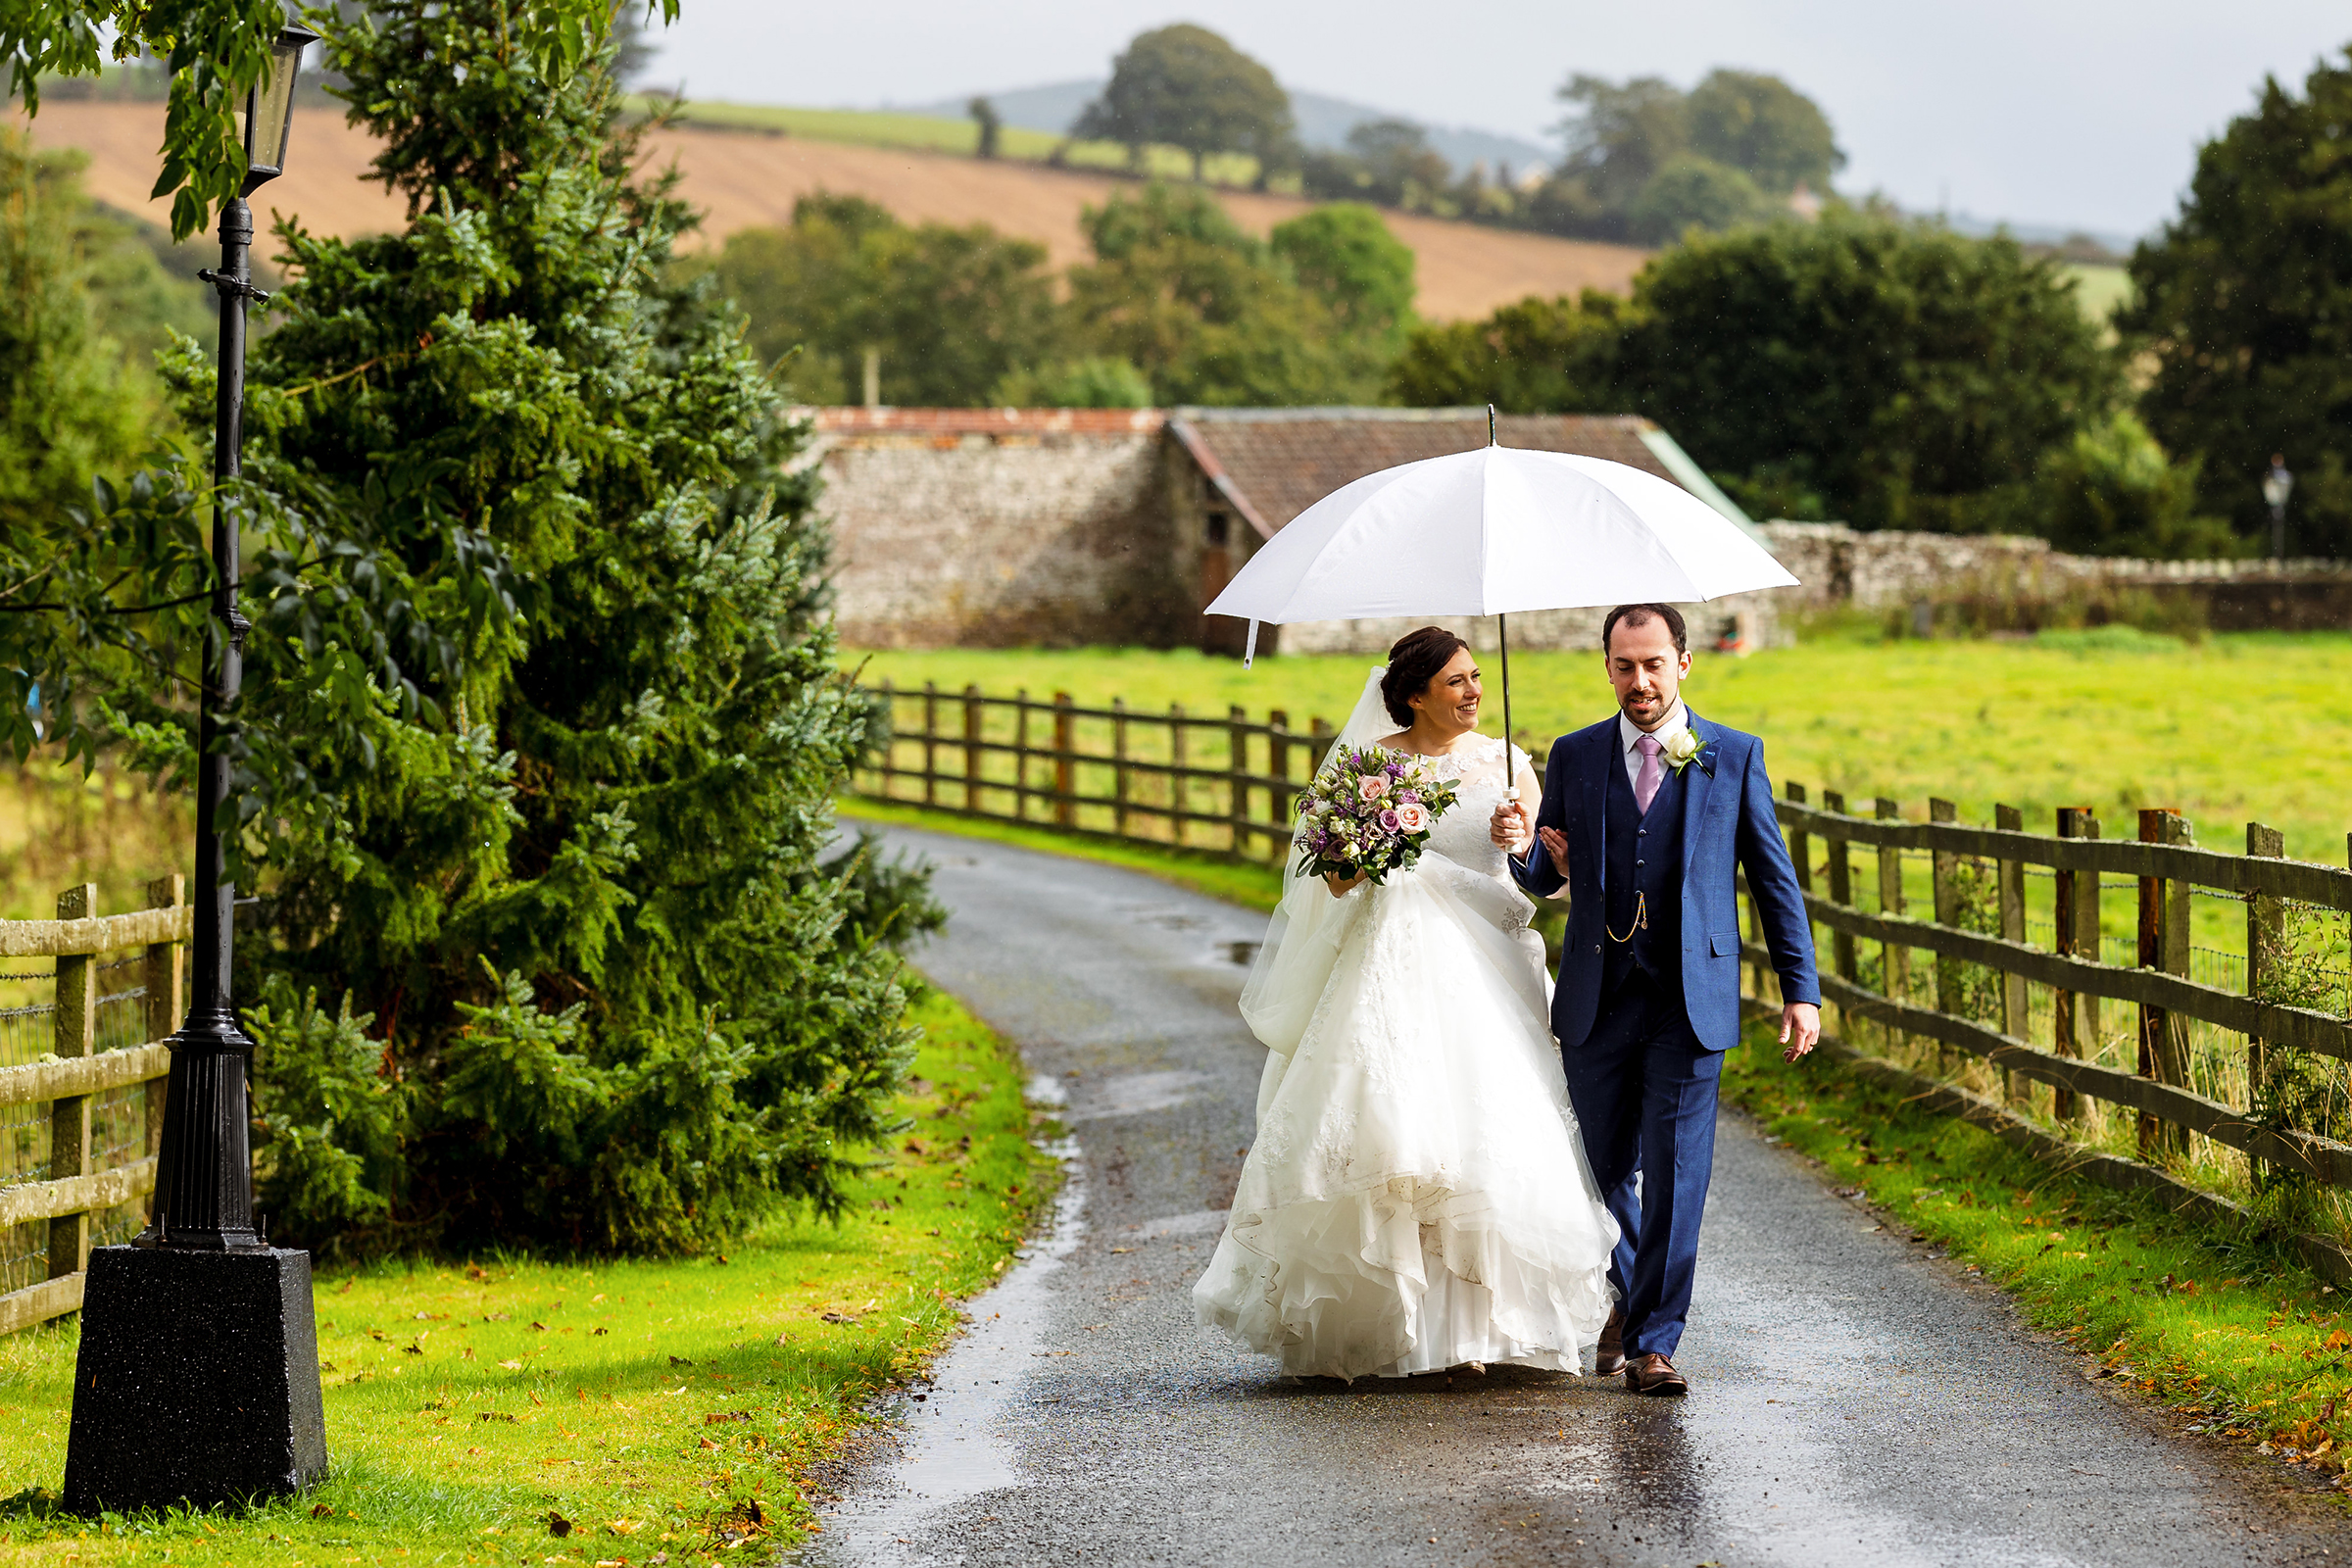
<point x="1179" y="305"/>
<point x="1891" y="374"/>
<point x="1644" y="159"/>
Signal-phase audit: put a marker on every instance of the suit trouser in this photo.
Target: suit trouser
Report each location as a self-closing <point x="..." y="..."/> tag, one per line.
<point x="1644" y="1089"/>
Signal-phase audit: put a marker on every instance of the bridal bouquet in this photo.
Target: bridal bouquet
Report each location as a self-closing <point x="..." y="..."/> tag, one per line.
<point x="1372" y="811"/>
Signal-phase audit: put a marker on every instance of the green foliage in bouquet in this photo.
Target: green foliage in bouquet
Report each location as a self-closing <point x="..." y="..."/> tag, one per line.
<point x="543" y="716"/>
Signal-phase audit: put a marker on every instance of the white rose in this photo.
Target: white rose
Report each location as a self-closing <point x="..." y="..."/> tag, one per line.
<point x="1681" y="748"/>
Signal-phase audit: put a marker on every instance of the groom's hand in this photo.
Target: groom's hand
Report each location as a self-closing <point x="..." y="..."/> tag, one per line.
<point x="1800" y="1027"/>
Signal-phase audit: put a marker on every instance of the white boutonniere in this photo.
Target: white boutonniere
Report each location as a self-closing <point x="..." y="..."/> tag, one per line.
<point x="1683" y="749"/>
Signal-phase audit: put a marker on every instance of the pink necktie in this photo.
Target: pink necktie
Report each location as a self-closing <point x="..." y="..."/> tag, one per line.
<point x="1646" y="784"/>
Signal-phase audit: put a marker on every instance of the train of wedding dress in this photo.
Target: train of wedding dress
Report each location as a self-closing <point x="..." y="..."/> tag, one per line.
<point x="1417" y="1196"/>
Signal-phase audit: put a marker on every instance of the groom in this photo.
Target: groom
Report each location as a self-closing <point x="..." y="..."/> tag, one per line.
<point x="1644" y="817"/>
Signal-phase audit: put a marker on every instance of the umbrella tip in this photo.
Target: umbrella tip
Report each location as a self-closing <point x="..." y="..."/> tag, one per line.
<point x="1490" y="424"/>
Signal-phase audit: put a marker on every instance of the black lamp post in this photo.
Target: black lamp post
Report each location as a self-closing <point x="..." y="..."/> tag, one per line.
<point x="198" y="1377"/>
<point x="2277" y="485"/>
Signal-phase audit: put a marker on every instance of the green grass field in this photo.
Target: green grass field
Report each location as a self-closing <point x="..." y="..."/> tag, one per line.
<point x="516" y="1410"/>
<point x="2230" y="729"/>
<point x="2099" y="289"/>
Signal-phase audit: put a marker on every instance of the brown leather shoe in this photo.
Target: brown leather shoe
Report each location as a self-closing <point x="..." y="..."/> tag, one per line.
<point x="1653" y="1374"/>
<point x="1608" y="1357"/>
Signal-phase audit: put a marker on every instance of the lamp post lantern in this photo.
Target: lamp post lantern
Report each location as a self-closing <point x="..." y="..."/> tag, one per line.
<point x="198" y="1374"/>
<point x="2277" y="485"/>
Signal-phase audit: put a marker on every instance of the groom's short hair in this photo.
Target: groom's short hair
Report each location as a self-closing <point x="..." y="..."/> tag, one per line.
<point x="1637" y="614"/>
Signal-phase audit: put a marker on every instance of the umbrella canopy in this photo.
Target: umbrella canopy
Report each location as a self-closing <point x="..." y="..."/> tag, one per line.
<point x="1493" y="532"/>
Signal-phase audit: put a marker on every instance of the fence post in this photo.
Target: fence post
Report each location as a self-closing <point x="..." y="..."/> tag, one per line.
<point x="166" y="975"/>
<point x="2265" y="928"/>
<point x="930" y="742"/>
<point x="1895" y="957"/>
<point x="1236" y="773"/>
<point x="77" y="1022"/>
<point x="1942" y="881"/>
<point x="1320" y="736"/>
<point x="1118" y="764"/>
<point x="1841" y="887"/>
<point x="1278" y="767"/>
<point x="2016" y="1023"/>
<point x="2163" y="946"/>
<point x="974" y="715"/>
<point x="1065" y="762"/>
<point x="1179" y="787"/>
<point x="889" y="735"/>
<point x="1020" y="756"/>
<point x="2067" y="917"/>
<point x="1800" y="842"/>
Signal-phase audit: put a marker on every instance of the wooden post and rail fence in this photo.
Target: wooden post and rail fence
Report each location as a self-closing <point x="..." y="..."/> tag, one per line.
<point x="2064" y="972"/>
<point x="83" y="1117"/>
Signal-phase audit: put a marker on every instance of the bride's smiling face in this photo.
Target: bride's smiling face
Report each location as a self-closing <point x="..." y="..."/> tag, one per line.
<point x="1449" y="703"/>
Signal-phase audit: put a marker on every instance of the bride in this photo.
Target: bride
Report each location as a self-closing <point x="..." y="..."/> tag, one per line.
<point x="1418" y="1196"/>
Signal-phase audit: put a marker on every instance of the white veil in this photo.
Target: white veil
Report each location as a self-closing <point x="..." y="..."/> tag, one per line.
<point x="1302" y="939"/>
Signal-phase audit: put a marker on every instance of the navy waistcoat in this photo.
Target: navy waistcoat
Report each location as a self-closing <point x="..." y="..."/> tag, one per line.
<point x="1644" y="872"/>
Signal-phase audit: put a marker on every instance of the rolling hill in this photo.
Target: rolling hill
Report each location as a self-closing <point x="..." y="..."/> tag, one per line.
<point x="748" y="177"/>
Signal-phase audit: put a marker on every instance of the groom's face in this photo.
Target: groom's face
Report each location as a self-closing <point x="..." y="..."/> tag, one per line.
<point x="1647" y="670"/>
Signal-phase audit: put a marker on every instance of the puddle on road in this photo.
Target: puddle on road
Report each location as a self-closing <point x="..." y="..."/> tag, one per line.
<point x="955" y="1444"/>
<point x="1241" y="954"/>
<point x="1132" y="1094"/>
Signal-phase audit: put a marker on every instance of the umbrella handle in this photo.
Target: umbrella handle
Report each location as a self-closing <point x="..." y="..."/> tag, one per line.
<point x="1502" y="635"/>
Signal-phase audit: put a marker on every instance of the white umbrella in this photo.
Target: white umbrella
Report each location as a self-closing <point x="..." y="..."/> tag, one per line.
<point x="1492" y="531"/>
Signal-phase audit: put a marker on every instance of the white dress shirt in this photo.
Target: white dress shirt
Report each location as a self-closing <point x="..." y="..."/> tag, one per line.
<point x="1628" y="737"/>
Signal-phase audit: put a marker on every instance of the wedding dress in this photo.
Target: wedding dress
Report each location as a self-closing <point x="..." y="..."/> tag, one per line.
<point x="1418" y="1196"/>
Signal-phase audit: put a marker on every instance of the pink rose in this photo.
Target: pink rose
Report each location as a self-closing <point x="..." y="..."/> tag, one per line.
<point x="1411" y="819"/>
<point x="1372" y="787"/>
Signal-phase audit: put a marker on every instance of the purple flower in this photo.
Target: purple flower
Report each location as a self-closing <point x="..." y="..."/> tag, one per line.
<point x="1388" y="820"/>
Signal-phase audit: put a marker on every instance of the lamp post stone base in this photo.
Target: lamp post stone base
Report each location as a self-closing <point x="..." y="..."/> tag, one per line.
<point x="197" y="1380"/>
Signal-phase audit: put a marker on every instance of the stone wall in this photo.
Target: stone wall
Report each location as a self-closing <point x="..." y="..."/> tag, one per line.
<point x="988" y="529"/>
<point x="1841" y="566"/>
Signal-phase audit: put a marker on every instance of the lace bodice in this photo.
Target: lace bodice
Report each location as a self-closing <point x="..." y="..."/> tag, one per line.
<point x="1461" y="834"/>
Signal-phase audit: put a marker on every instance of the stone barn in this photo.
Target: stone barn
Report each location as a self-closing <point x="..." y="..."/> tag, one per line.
<point x="1061" y="528"/>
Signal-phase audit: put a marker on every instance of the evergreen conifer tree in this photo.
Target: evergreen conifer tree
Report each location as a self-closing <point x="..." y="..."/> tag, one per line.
<point x="542" y="706"/>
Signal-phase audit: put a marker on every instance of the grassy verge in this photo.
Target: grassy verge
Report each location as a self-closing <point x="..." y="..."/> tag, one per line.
<point x="521" y="1411"/>
<point x="2233" y="1333"/>
<point x="1252" y="887"/>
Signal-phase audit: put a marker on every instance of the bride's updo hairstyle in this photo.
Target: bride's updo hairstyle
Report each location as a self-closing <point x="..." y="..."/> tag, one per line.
<point x="1412" y="665"/>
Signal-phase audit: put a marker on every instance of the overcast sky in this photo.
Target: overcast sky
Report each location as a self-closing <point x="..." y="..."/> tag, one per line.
<point x="2071" y="112"/>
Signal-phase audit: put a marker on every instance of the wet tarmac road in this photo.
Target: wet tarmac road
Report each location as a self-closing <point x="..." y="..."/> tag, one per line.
<point x="1853" y="1401"/>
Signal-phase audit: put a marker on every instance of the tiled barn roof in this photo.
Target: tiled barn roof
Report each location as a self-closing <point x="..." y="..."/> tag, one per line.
<point x="1283" y="461"/>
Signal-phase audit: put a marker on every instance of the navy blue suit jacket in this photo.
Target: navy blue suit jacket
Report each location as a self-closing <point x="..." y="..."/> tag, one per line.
<point x="1726" y="825"/>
